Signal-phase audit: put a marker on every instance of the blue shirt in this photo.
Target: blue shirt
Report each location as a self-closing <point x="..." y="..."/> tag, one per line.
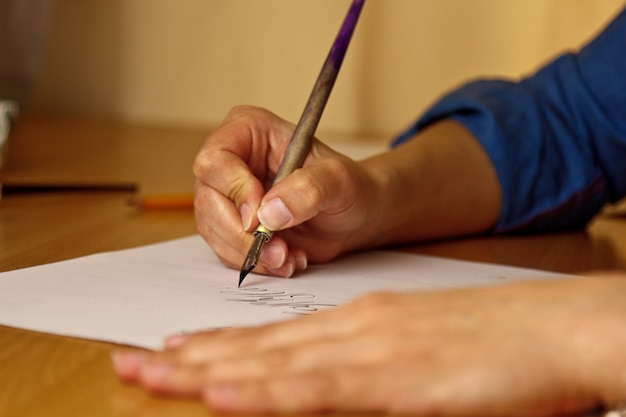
<point x="557" y="139"/>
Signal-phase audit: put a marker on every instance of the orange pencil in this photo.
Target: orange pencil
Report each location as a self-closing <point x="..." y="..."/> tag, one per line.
<point x="163" y="202"/>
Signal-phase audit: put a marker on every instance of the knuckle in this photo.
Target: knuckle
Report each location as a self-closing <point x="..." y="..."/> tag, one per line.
<point x="198" y="165"/>
<point x="316" y="392"/>
<point x="338" y="169"/>
<point x="279" y="360"/>
<point x="203" y="229"/>
<point x="246" y="115"/>
<point x="242" y="243"/>
<point x="308" y="189"/>
<point x="234" y="184"/>
<point x="323" y="387"/>
<point x="319" y="186"/>
<point x="238" y="190"/>
<point x="204" y="162"/>
<point x="243" y="110"/>
<point x="221" y="249"/>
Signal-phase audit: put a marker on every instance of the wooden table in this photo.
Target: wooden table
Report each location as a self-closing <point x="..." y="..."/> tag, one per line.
<point x="47" y="375"/>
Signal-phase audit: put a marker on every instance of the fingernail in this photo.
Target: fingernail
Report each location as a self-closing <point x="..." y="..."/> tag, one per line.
<point x="246" y="216"/>
<point x="273" y="255"/>
<point x="156" y="371"/>
<point x="301" y="262"/>
<point x="274" y="214"/>
<point x="223" y="396"/>
<point x="127" y="364"/>
<point x="176" y="341"/>
<point x="290" y="270"/>
<point x="126" y="358"/>
<point x="285" y="271"/>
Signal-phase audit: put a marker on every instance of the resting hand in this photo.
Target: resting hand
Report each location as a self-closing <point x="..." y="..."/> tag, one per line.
<point x="535" y="348"/>
<point x="323" y="205"/>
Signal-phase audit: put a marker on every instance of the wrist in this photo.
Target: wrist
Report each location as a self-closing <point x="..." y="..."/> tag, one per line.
<point x="439" y="184"/>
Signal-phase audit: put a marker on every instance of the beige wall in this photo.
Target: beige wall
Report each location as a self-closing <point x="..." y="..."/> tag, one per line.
<point x="186" y="62"/>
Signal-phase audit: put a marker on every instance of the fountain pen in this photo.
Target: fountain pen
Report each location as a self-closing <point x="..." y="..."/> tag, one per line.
<point x="305" y="129"/>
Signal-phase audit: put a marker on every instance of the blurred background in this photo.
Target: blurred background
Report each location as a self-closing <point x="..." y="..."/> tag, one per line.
<point x="185" y="63"/>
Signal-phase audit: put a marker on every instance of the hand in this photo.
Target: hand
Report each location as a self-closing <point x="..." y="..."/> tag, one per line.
<point x="534" y="348"/>
<point x="439" y="184"/>
<point x="323" y="205"/>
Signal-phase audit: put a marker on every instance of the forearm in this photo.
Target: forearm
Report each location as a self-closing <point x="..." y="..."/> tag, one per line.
<point x="556" y="139"/>
<point x="439" y="184"/>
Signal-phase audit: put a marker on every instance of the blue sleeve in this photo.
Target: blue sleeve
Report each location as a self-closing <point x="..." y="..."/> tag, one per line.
<point x="557" y="139"/>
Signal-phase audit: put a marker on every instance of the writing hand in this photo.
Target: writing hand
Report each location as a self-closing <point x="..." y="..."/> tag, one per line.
<point x="319" y="208"/>
<point x="439" y="184"/>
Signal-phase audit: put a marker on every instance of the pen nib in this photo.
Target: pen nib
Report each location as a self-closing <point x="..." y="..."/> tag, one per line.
<point x="260" y="237"/>
<point x="242" y="276"/>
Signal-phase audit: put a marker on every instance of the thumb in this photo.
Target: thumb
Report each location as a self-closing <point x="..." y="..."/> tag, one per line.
<point x="275" y="215"/>
<point x="321" y="186"/>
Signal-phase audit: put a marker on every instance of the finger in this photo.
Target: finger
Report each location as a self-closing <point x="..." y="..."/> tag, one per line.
<point x="425" y="386"/>
<point x="324" y="185"/>
<point x="229" y="175"/>
<point x="244" y="342"/>
<point x="352" y="348"/>
<point x="239" y="158"/>
<point x="328" y="390"/>
<point x="165" y="372"/>
<point x="219" y="223"/>
<point x="311" y="356"/>
<point x="159" y="372"/>
<point x="127" y="363"/>
<point x="165" y="377"/>
<point x="394" y="388"/>
<point x="422" y="387"/>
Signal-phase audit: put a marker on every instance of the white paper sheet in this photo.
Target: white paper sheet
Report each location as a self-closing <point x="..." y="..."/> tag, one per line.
<point x="139" y="296"/>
